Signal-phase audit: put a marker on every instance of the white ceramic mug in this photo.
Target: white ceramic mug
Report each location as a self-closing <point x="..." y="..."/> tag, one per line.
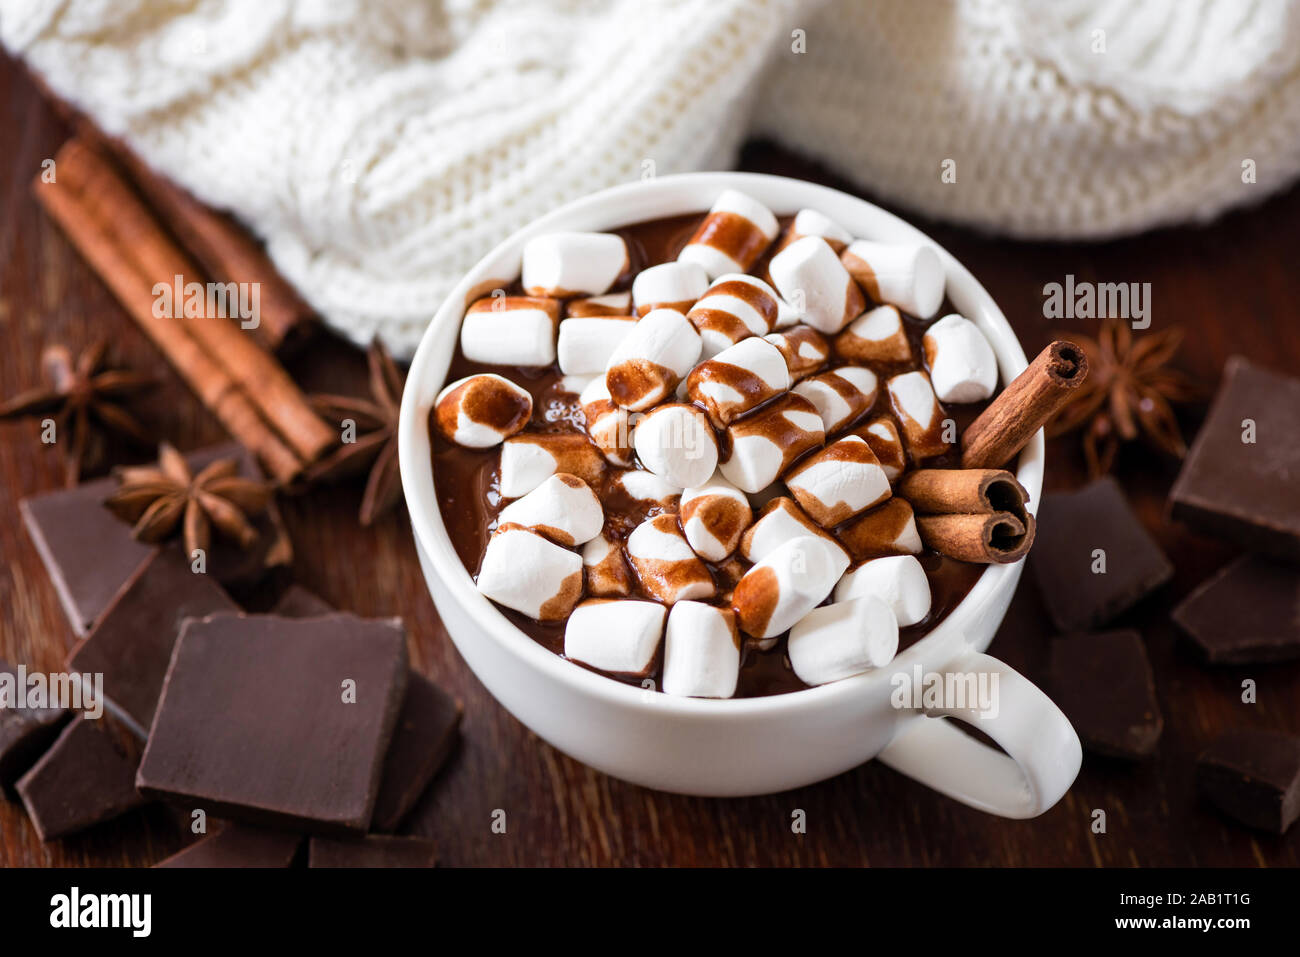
<point x="748" y="745"/>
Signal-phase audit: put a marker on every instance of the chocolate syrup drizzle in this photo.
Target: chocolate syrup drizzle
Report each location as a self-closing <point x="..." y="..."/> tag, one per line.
<point x="470" y="499"/>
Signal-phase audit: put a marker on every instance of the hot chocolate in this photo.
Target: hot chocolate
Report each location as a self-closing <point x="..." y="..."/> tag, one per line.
<point x="699" y="426"/>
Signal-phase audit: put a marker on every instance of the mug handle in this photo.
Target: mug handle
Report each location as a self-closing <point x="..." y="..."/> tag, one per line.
<point x="1042" y="751"/>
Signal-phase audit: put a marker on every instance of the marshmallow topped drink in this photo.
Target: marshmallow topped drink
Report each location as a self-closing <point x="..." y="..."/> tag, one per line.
<point x="721" y="455"/>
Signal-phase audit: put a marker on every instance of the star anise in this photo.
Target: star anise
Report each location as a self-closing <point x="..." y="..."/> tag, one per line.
<point x="159" y="498"/>
<point x="81" y="396"/>
<point x="375" y="448"/>
<point x="1127" y="395"/>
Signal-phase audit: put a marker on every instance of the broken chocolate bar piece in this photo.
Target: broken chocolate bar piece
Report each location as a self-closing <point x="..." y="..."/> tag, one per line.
<point x="1092" y="557"/>
<point x="424" y="736"/>
<point x="86" y="777"/>
<point x="238" y="845"/>
<point x="278" y="721"/>
<point x="426" y="732"/>
<point x="375" y="850"/>
<point x="1239" y="479"/>
<point x="1249" y="611"/>
<point x="25" y="733"/>
<point x="298" y="602"/>
<point x="132" y="643"/>
<point x="1103" y="683"/>
<point x="89" y="553"/>
<point x="1253" y="776"/>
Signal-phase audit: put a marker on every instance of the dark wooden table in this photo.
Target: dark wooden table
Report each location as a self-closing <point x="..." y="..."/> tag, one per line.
<point x="1233" y="285"/>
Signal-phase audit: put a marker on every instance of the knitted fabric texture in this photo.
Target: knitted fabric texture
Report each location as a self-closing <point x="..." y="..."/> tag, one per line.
<point x="381" y="148"/>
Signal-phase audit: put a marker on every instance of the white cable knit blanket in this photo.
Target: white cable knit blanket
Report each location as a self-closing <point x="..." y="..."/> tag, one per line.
<point x="380" y="148"/>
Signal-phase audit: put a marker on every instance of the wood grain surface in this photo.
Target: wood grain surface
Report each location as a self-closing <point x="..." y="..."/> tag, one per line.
<point x="1232" y="284"/>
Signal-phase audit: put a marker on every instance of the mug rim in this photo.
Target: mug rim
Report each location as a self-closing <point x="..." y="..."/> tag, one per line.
<point x="936" y="648"/>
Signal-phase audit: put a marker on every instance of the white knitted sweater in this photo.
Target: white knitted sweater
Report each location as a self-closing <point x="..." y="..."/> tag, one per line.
<point x="380" y="148"/>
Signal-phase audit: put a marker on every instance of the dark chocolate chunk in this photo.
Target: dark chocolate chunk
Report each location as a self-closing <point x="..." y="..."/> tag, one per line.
<point x="25" y="733"/>
<point x="426" y="731"/>
<point x="1253" y="776"/>
<point x="375" y="850"/>
<point x="1248" y="611"/>
<point x="1080" y="534"/>
<point x="238" y="845"/>
<point x="89" y="553"/>
<point x="424" y="736"/>
<point x="1239" y="479"/>
<point x="84" y="778"/>
<point x="298" y="602"/>
<point x="278" y="721"/>
<point x="1103" y="683"/>
<point x="132" y="642"/>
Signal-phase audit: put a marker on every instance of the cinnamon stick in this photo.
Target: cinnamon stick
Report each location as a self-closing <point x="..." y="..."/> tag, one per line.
<point x="261" y="376"/>
<point x="950" y="491"/>
<point x="114" y="233"/>
<point x="224" y="249"/>
<point x="995" y="537"/>
<point x="1024" y="406"/>
<point x="972" y="515"/>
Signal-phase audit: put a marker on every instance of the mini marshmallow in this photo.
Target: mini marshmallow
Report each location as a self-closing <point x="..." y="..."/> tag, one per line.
<point x="897" y="580"/>
<point x="786" y="585"/>
<point x="919" y="413"/>
<point x="563" y="508"/>
<point x="842" y="640"/>
<point x="701" y="651"/>
<point x="738" y="379"/>
<point x="809" y="222"/>
<point x="889" y="529"/>
<point x="804" y="349"/>
<point x="736" y="231"/>
<point x="607" y="572"/>
<point x="510" y="331"/>
<point x="765" y="443"/>
<point x="529" y="459"/>
<point x="714" y="516"/>
<point x="607" y="422"/>
<point x="875" y="336"/>
<point x="610" y="304"/>
<point x="780" y="521"/>
<point x="900" y="274"/>
<point x="840" y="395"/>
<point x="618" y="636"/>
<point x="530" y="574"/>
<point x="733" y="308"/>
<point x="652" y="359"/>
<point x="665" y="564"/>
<point x="962" y="365"/>
<point x="585" y="345"/>
<point x="677" y="443"/>
<point x="838" y="482"/>
<point x="570" y="264"/>
<point x="882" y="435"/>
<point x="479" y="411"/>
<point x="640" y="485"/>
<point x="809" y="276"/>
<point x="672" y="285"/>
